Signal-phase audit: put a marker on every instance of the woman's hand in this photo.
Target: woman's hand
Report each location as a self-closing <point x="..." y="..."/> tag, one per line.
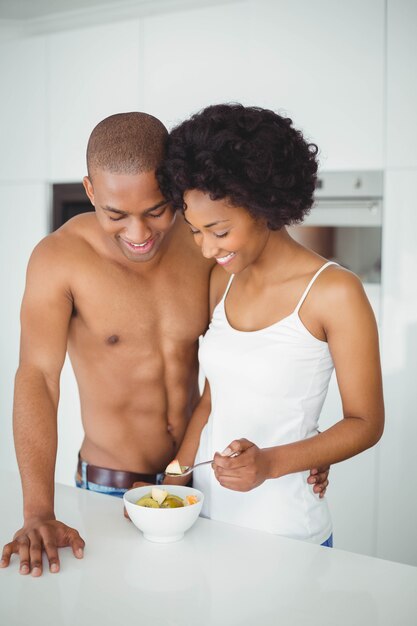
<point x="245" y="471"/>
<point x="251" y="467"/>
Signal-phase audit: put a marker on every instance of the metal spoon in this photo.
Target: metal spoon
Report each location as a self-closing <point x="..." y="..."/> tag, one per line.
<point x="188" y="469"/>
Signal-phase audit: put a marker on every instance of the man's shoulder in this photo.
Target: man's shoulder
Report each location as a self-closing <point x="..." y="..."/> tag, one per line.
<point x="66" y="248"/>
<point x="81" y="228"/>
<point x="69" y="240"/>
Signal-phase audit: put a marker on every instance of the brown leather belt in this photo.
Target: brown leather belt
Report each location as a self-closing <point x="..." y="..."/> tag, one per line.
<point x="114" y="478"/>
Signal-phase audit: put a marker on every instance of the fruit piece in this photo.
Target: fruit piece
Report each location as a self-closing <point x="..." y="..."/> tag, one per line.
<point x="159" y="494"/>
<point x="174" y="467"/>
<point x="190" y="500"/>
<point x="148" y="502"/>
<point x="172" y="502"/>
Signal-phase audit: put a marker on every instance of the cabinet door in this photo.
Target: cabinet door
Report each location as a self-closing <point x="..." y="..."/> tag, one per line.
<point x="93" y="73"/>
<point x="23" y="154"/>
<point x="23" y="224"/>
<point x="397" y="509"/>
<point x="401" y="83"/>
<point x="321" y="62"/>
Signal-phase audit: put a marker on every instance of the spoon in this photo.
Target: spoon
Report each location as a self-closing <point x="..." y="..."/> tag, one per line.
<point x="188" y="469"/>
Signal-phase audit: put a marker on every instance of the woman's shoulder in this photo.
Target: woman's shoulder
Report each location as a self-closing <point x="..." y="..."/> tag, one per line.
<point x="338" y="282"/>
<point x="340" y="296"/>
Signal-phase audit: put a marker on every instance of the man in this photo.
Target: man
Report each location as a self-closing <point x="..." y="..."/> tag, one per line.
<point x="125" y="291"/>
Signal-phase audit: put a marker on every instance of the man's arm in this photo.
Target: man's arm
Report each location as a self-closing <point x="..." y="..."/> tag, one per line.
<point x="46" y="311"/>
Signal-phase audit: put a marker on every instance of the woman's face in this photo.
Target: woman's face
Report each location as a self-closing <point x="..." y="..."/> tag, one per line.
<point x="226" y="233"/>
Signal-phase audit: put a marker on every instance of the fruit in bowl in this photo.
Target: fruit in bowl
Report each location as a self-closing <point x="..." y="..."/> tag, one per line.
<point x="160" y="498"/>
<point x="163" y="515"/>
<point x="174" y="468"/>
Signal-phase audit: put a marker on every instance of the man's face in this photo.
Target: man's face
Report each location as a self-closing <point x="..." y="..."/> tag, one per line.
<point x="132" y="211"/>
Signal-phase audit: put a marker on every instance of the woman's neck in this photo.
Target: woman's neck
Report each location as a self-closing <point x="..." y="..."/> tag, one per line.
<point x="276" y="259"/>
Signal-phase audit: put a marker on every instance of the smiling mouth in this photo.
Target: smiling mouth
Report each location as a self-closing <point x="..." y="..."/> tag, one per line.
<point x="140" y="248"/>
<point x="224" y="260"/>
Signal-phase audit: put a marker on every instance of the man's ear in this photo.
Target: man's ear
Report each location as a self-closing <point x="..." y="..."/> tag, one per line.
<point x="88" y="186"/>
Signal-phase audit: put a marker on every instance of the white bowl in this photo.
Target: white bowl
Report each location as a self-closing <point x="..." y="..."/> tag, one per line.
<point x="163" y="525"/>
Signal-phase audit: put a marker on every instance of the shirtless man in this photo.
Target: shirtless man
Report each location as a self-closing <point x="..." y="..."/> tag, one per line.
<point x="125" y="291"/>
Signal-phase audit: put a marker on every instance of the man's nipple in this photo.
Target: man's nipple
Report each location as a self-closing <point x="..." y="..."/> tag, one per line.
<point x="112" y="340"/>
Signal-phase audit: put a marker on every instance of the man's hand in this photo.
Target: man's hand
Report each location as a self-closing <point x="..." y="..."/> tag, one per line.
<point x="319" y="478"/>
<point x="42" y="535"/>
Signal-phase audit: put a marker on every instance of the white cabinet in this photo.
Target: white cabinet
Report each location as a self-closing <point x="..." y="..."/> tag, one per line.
<point x="321" y="62"/>
<point x="70" y="429"/>
<point x="402" y="83"/>
<point x="397" y="512"/>
<point x="23" y="224"/>
<point x="93" y="73"/>
<point x="23" y="154"/>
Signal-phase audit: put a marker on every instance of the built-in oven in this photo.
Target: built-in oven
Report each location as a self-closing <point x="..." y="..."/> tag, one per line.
<point x="345" y="223"/>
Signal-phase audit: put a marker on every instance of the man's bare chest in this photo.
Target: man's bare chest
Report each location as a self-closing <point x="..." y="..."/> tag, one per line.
<point x="112" y="303"/>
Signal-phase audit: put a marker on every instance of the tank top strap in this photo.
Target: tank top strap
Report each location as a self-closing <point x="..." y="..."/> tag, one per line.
<point x="227" y="288"/>
<point x="310" y="284"/>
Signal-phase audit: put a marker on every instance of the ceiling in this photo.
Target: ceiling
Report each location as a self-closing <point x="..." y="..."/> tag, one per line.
<point x="32" y="9"/>
<point x="34" y="17"/>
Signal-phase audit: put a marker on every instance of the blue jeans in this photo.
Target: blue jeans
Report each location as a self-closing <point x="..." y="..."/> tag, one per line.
<point x="328" y="543"/>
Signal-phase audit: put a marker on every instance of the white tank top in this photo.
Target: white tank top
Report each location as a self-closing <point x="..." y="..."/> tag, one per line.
<point x="268" y="386"/>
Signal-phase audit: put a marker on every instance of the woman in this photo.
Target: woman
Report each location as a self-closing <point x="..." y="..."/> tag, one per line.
<point x="282" y="319"/>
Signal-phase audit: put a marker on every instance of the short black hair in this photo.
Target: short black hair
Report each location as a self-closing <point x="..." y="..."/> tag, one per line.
<point x="251" y="156"/>
<point x="126" y="143"/>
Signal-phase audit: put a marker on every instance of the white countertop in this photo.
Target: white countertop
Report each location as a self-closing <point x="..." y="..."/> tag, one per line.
<point x="218" y="575"/>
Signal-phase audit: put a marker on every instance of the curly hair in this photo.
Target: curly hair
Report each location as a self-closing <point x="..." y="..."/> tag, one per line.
<point x="251" y="156"/>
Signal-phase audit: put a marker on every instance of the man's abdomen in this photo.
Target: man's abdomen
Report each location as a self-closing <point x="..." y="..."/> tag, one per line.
<point x="135" y="412"/>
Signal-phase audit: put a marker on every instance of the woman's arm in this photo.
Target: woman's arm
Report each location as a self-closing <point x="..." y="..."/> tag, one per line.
<point x="188" y="449"/>
<point x="189" y="446"/>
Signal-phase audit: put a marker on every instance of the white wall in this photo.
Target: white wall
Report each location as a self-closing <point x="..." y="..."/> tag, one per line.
<point x="23" y="223"/>
<point x="397" y="510"/>
<point x="324" y="63"/>
<point x="320" y="61"/>
<point x="92" y="73"/>
<point x="397" y="521"/>
<point x="23" y="200"/>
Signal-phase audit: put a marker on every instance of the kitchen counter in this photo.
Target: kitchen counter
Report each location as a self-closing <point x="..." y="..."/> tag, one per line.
<point x="218" y="575"/>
